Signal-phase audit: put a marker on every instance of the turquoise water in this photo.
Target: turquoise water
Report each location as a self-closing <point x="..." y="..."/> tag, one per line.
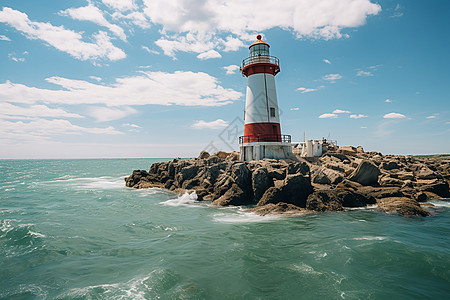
<point x="70" y="229"/>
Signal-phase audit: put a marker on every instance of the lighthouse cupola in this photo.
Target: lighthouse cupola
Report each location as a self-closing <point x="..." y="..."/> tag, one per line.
<point x="262" y="132"/>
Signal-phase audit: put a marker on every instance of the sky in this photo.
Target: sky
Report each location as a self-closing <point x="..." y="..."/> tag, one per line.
<point x="153" y="78"/>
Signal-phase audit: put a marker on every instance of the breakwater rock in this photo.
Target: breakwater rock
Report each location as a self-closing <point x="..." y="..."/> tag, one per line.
<point x="347" y="177"/>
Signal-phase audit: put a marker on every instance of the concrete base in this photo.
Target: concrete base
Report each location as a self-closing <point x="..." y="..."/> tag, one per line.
<point x="260" y="150"/>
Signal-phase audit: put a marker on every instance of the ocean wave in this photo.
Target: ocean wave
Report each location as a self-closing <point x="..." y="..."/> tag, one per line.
<point x="24" y="291"/>
<point x="370" y="238"/>
<point x="18" y="235"/>
<point x="143" y="287"/>
<point x="239" y="215"/>
<point x="184" y="200"/>
<point x="441" y="203"/>
<point x="89" y="183"/>
<point x="304" y="268"/>
<point x="368" y="207"/>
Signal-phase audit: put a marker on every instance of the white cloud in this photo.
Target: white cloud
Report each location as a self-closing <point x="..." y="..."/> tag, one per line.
<point x="362" y="73"/>
<point x="122" y="5"/>
<point x="388" y="101"/>
<point x="231" y="69"/>
<point x="12" y="56"/>
<point x="204" y="20"/>
<point x="328" y="116"/>
<point x="447" y="122"/>
<point x="131" y="125"/>
<point x="232" y="44"/>
<point x="363" y="127"/>
<point x="432" y="117"/>
<point x="150" y="50"/>
<point x="105" y="114"/>
<point x="295" y="108"/>
<point x="4" y="38"/>
<point x="340" y="111"/>
<point x="98" y="79"/>
<point x="327" y="61"/>
<point x="95" y="15"/>
<point x="332" y="77"/>
<point x="10" y="111"/>
<point x="135" y="18"/>
<point x="42" y="128"/>
<point x="209" y="54"/>
<point x="63" y="39"/>
<point x="305" y="90"/>
<point x="394" y="116"/>
<point x="217" y="124"/>
<point x="178" y="88"/>
<point x="359" y="116"/>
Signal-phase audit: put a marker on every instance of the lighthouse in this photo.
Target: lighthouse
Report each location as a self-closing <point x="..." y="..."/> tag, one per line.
<point x="262" y="131"/>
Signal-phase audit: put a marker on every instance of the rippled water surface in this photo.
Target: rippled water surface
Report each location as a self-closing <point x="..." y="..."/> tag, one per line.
<point x="70" y="229"/>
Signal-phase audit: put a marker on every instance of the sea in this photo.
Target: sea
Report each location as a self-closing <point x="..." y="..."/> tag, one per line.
<point x="70" y="229"/>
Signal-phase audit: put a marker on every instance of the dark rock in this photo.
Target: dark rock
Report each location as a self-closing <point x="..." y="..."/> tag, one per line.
<point x="276" y="174"/>
<point x="366" y="173"/>
<point x="389" y="181"/>
<point x="318" y="176"/>
<point x="381" y="192"/>
<point x="278" y="209"/>
<point x="402" y="206"/>
<point x="336" y="200"/>
<point x="272" y="195"/>
<point x="298" y="168"/>
<point x="168" y="183"/>
<point x="260" y="182"/>
<point x="234" y="196"/>
<point x="295" y="189"/>
<point x="421" y="197"/>
<point x="203" y="155"/>
<point x="441" y="189"/>
<point x="389" y="165"/>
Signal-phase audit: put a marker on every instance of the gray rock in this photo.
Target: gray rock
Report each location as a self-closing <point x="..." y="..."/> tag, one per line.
<point x="260" y="182"/>
<point x="366" y="173"/>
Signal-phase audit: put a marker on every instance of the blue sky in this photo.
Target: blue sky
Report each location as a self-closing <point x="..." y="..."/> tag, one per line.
<point x="153" y="78"/>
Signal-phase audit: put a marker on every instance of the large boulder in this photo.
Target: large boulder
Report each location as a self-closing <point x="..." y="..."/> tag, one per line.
<point x="347" y="150"/>
<point x="426" y="173"/>
<point x="233" y="196"/>
<point x="295" y="189"/>
<point x="440" y="189"/>
<point x="278" y="209"/>
<point x="336" y="200"/>
<point x="203" y="155"/>
<point x="389" y="165"/>
<point x="402" y="206"/>
<point x="366" y="173"/>
<point x="260" y="182"/>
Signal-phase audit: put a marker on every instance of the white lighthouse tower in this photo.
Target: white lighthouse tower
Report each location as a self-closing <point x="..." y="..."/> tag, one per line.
<point x="262" y="132"/>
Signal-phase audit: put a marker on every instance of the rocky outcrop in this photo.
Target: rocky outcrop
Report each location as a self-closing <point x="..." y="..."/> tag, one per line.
<point x="342" y="178"/>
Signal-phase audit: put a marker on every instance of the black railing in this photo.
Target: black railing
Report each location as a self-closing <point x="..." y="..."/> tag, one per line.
<point x="265" y="138"/>
<point x="260" y="59"/>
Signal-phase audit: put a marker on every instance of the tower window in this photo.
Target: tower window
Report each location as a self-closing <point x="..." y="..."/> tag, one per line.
<point x="272" y="112"/>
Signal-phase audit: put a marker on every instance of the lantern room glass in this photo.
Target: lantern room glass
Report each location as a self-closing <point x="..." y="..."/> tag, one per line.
<point x="259" y="50"/>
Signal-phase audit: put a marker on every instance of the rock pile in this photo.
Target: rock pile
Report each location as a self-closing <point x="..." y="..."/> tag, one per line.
<point x="346" y="177"/>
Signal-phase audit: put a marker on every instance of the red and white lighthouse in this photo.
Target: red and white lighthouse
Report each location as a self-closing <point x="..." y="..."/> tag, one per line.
<point x="262" y="132"/>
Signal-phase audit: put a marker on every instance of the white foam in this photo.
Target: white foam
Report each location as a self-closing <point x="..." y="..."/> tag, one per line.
<point x="240" y="216"/>
<point x="97" y="183"/>
<point x="440" y="203"/>
<point x="184" y="200"/>
<point x="133" y="289"/>
<point x="36" y="234"/>
<point x="368" y="207"/>
<point x="304" y="268"/>
<point x="370" y="238"/>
